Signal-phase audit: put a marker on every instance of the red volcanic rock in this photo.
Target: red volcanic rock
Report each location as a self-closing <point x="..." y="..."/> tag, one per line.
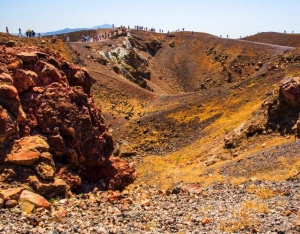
<point x="70" y="122"/>
<point x="28" y="57"/>
<point x="78" y="76"/>
<point x="45" y="171"/>
<point x="18" y="64"/>
<point x="48" y="116"/>
<point x="11" y="194"/>
<point x="116" y="173"/>
<point x="24" y="80"/>
<point x="72" y="180"/>
<point x="5" y="78"/>
<point x="23" y="157"/>
<point x="49" y="189"/>
<point x="290" y="89"/>
<point x="9" y="98"/>
<point x="8" y="128"/>
<point x="35" y="142"/>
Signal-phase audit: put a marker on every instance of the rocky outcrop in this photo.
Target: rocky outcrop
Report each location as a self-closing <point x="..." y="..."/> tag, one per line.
<point x="49" y="123"/>
<point x="290" y="90"/>
<point x="279" y="112"/>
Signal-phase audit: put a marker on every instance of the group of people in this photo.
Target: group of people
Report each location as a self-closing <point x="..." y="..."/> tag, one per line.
<point x="105" y="35"/>
<point x="29" y="32"/>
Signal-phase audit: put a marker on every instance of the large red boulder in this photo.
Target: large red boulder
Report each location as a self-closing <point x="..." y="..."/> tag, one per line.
<point x="48" y="74"/>
<point x="24" y="80"/>
<point x="290" y="90"/>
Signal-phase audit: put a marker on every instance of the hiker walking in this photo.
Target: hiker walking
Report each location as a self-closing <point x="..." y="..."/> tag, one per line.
<point x="7" y="31"/>
<point x="20" y="32"/>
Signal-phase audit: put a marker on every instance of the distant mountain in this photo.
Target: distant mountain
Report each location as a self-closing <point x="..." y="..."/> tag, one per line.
<point x="68" y="30"/>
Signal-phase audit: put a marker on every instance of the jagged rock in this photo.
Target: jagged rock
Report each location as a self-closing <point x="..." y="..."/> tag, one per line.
<point x="154" y="45"/>
<point x="5" y="78"/>
<point x="102" y="60"/>
<point x="9" y="129"/>
<point x="28" y="57"/>
<point x="18" y="64"/>
<point x="60" y="215"/>
<point x="48" y="73"/>
<point x="24" y="80"/>
<point x="11" y="194"/>
<point x="290" y="90"/>
<point x="47" y="158"/>
<point x="232" y="138"/>
<point x="72" y="180"/>
<point x="44" y="171"/>
<point x="116" y="173"/>
<point x="79" y="77"/>
<point x="47" y="188"/>
<point x="35" y="142"/>
<point x="29" y="200"/>
<point x="23" y="157"/>
<point x="9" y="98"/>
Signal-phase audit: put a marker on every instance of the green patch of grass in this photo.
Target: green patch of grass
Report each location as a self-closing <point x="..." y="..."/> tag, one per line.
<point x="178" y="158"/>
<point x="260" y="79"/>
<point x="52" y="200"/>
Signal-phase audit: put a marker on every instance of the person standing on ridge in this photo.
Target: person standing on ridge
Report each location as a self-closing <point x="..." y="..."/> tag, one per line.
<point x="7" y="31"/>
<point x="20" y="32"/>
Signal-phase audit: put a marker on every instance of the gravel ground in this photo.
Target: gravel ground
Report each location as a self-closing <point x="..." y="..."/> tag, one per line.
<point x="252" y="207"/>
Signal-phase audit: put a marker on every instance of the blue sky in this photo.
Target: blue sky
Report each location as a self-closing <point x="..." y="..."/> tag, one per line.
<point x="218" y="17"/>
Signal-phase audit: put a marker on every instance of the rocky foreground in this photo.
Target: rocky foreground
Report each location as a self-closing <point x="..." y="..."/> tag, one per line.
<point x="252" y="207"/>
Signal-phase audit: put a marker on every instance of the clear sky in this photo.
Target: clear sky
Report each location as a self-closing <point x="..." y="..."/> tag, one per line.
<point x="218" y="17"/>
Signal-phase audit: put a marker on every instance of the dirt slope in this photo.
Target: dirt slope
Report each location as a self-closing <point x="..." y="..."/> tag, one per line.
<point x="202" y="87"/>
<point x="283" y="39"/>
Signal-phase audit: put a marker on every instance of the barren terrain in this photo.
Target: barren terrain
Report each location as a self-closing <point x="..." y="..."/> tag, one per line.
<point x="170" y="100"/>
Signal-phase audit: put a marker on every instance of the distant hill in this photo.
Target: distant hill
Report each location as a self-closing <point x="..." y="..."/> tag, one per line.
<point x="283" y="39"/>
<point x="68" y="30"/>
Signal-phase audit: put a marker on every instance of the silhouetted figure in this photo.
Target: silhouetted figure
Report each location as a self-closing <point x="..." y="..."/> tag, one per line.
<point x="284" y="31"/>
<point x="7" y="31"/>
<point x="20" y="32"/>
<point x="227" y="35"/>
